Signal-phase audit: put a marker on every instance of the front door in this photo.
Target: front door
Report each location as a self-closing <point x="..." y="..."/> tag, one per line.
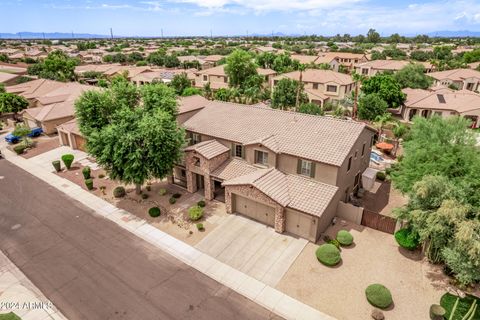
<point x="200" y="182"/>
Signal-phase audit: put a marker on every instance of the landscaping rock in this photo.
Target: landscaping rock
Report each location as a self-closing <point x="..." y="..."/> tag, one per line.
<point x="377" y="314"/>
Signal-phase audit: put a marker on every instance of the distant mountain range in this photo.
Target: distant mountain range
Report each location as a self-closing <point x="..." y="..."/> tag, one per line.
<point x="64" y="35"/>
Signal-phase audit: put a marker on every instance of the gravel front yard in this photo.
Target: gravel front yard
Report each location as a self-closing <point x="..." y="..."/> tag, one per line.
<point x="373" y="258"/>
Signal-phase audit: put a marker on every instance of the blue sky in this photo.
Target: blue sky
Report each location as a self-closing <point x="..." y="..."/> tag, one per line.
<point x="233" y="17"/>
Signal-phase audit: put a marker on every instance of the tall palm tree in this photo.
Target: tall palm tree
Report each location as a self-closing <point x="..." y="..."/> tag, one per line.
<point x="381" y="121"/>
<point x="357" y="78"/>
<point x="301" y="68"/>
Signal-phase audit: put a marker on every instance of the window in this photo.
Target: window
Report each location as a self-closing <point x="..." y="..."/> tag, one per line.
<point x="372" y="140"/>
<point x="315" y="86"/>
<point x="438" y="113"/>
<point x="225" y="79"/>
<point x="261" y="157"/>
<point x="183" y="173"/>
<point x="238" y="151"/>
<point x="196" y="161"/>
<point x="349" y="164"/>
<point x="364" y="71"/>
<point x="356" y="153"/>
<point x="357" y="179"/>
<point x="196" y="138"/>
<point x="363" y="149"/>
<point x="205" y="77"/>
<point x="331" y="88"/>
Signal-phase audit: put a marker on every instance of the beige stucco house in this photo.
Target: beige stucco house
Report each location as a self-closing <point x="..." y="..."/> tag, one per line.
<point x="463" y="79"/>
<point x="283" y="169"/>
<point x="441" y="102"/>
<point x="218" y="78"/>
<point x="322" y="85"/>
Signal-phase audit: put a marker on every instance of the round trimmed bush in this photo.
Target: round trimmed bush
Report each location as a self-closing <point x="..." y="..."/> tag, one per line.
<point x="201" y="203"/>
<point x="57" y="165"/>
<point x="89" y="184"/>
<point x="119" y="192"/>
<point x="86" y="172"/>
<point x="154" y="212"/>
<point x="19" y="149"/>
<point x="172" y="200"/>
<point x="381" y="176"/>
<point x="328" y="254"/>
<point x="68" y="160"/>
<point x="344" y="237"/>
<point x="195" y="213"/>
<point x="378" y="296"/>
<point x="407" y="239"/>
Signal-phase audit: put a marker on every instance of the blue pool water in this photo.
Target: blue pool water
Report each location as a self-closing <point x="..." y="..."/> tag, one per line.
<point x="375" y="157"/>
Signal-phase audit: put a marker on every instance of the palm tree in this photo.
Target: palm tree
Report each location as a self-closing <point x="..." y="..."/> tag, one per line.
<point x="301" y="68"/>
<point x="358" y="78"/>
<point x="399" y="131"/>
<point x="381" y="121"/>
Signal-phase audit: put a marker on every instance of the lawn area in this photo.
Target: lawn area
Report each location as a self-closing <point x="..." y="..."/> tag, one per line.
<point x="9" y="316"/>
<point x="374" y="257"/>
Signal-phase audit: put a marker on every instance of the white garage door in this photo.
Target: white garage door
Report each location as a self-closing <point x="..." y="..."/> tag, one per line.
<point x="301" y="224"/>
<point x="254" y="209"/>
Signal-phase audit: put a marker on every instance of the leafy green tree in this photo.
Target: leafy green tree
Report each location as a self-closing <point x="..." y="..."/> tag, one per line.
<point x="442" y="52"/>
<point x="420" y="55"/>
<point x="265" y="60"/>
<point x="387" y="88"/>
<point x="373" y="36"/>
<point x="57" y="66"/>
<point x="377" y="55"/>
<point x="180" y="82"/>
<point x="2" y="88"/>
<point x="156" y="58"/>
<point x="222" y="94"/>
<point x="191" y="91"/>
<point x="10" y="102"/>
<point x="134" y="143"/>
<point x="370" y="106"/>
<point x="311" y="108"/>
<point x="413" y="76"/>
<point x="134" y="57"/>
<point x="239" y="68"/>
<point x="22" y="131"/>
<point x="171" y="61"/>
<point x="284" y="95"/>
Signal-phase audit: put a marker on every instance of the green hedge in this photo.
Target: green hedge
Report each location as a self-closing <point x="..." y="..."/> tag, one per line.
<point x="68" y="160"/>
<point x="378" y="296"/>
<point x="195" y="213"/>
<point x="464" y="304"/>
<point x="344" y="237"/>
<point x="328" y="254"/>
<point x="154" y="212"/>
<point x="407" y="239"/>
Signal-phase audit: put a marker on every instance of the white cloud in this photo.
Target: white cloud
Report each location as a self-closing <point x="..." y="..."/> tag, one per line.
<point x="270" y="5"/>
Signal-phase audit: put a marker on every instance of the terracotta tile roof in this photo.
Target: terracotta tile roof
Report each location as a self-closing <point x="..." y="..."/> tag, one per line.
<point x="208" y="149"/>
<point x="304" y="58"/>
<point x="52" y="111"/>
<point x="220" y="71"/>
<point x="292" y="191"/>
<point x="322" y="139"/>
<point x="70" y="126"/>
<point x="456" y="74"/>
<point x="233" y="168"/>
<point x="191" y="103"/>
<point x="319" y="76"/>
<point x="5" y="77"/>
<point x="442" y="99"/>
<point x="35" y="88"/>
<point x="393" y="65"/>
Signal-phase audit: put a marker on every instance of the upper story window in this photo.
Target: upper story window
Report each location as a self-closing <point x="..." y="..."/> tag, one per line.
<point x="196" y="161"/>
<point x="315" y="86"/>
<point x="196" y="138"/>
<point x="363" y="149"/>
<point x="357" y="180"/>
<point x="205" y="77"/>
<point x="331" y="88"/>
<point x="261" y="157"/>
<point x="364" y="71"/>
<point x="238" y="151"/>
<point x="306" y="168"/>
<point x="225" y="79"/>
<point x="349" y="164"/>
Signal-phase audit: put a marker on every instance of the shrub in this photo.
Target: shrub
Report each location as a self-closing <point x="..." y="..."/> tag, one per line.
<point x="381" y="176"/>
<point x="448" y="301"/>
<point x="172" y="200"/>
<point x="148" y="188"/>
<point x="344" y="237"/>
<point x="154" y="212"/>
<point x="86" y="172"/>
<point x="378" y="296"/>
<point x="201" y="203"/>
<point x="177" y="195"/>
<point x="162" y="192"/>
<point x="437" y="312"/>
<point x="335" y="242"/>
<point x="68" y="160"/>
<point x="195" y="213"/>
<point x="200" y="226"/>
<point x="103" y="188"/>
<point x="57" y="165"/>
<point x="19" y="149"/>
<point x="9" y="316"/>
<point x="89" y="184"/>
<point x="328" y="254"/>
<point x="144" y="196"/>
<point x="407" y="239"/>
<point x="119" y="192"/>
<point x="101" y="176"/>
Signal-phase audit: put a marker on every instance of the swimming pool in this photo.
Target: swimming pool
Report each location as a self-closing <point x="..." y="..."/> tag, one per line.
<point x="375" y="157"/>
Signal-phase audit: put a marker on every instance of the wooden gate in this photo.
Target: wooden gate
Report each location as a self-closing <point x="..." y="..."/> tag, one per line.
<point x="378" y="221"/>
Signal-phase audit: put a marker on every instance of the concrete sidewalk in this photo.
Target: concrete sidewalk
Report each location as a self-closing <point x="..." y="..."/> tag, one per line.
<point x="19" y="295"/>
<point x="246" y="285"/>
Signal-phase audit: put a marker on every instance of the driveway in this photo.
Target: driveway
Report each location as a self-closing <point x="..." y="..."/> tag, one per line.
<point x="91" y="268"/>
<point x="252" y="248"/>
<point x="44" y="160"/>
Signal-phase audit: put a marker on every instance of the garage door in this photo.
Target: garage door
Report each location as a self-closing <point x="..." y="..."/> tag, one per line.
<point x="31" y="124"/>
<point x="254" y="210"/>
<point x="301" y="224"/>
<point x="80" y="142"/>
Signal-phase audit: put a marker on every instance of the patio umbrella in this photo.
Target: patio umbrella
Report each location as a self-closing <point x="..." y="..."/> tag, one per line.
<point x="384" y="146"/>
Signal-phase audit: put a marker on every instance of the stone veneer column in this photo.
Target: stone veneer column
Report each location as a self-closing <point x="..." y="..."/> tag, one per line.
<point x="170" y="179"/>
<point x="279" y="219"/>
<point x="209" y="187"/>
<point x="228" y="200"/>
<point x="191" y="182"/>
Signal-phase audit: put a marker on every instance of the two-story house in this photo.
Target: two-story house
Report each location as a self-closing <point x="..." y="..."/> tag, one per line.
<point x="462" y="79"/>
<point x="218" y="79"/>
<point x="284" y="169"/>
<point x="322" y="85"/>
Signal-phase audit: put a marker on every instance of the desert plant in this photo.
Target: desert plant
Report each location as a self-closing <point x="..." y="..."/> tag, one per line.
<point x="328" y="254"/>
<point x="154" y="212"/>
<point x="86" y="172"/>
<point x="19" y="149"/>
<point x="119" y="192"/>
<point x="68" y="160"/>
<point x="200" y="226"/>
<point x="177" y="195"/>
<point x="57" y="165"/>
<point x="195" y="213"/>
<point x="144" y="196"/>
<point x="201" y="203"/>
<point x="407" y="239"/>
<point x="89" y="184"/>
<point x="344" y="237"/>
<point x="172" y="200"/>
<point x="162" y="191"/>
<point x="378" y="296"/>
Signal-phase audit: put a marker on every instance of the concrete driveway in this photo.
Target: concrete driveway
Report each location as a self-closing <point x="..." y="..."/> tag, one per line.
<point x="252" y="248"/>
<point x="44" y="160"/>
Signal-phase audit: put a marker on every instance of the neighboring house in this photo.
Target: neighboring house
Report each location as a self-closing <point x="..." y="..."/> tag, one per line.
<point x="157" y="75"/>
<point x="32" y="90"/>
<point x="284" y="169"/>
<point x="189" y="106"/>
<point x="322" y="85"/>
<point x="8" y="78"/>
<point x="112" y="70"/>
<point x="69" y="135"/>
<point x="346" y="59"/>
<point x="218" y="78"/>
<point x="371" y="68"/>
<point x="463" y="79"/>
<point x="442" y="102"/>
<point x="211" y="61"/>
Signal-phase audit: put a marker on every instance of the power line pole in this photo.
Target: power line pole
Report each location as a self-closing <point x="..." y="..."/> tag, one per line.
<point x="211" y="34"/>
<point x="162" y="32"/>
<point x="73" y="36"/>
<point x="111" y="33"/>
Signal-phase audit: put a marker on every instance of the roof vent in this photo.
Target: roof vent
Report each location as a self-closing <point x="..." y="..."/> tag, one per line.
<point x="441" y="98"/>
